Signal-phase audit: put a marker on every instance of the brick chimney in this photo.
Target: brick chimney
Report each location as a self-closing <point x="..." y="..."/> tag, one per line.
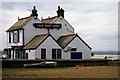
<point x="60" y="12"/>
<point x="34" y="12"/>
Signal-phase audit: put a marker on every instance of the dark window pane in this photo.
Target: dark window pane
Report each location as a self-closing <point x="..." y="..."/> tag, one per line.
<point x="53" y="53"/>
<point x="16" y="54"/>
<point x="15" y="37"/>
<point x="43" y="53"/>
<point x="9" y="54"/>
<point x="58" y="53"/>
<point x="18" y="36"/>
<point x="26" y="55"/>
<point x="73" y="49"/>
<point x="9" y="37"/>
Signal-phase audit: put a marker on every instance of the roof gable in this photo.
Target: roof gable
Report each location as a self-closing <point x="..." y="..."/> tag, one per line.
<point x="20" y="24"/>
<point x="83" y="41"/>
<point x="36" y="41"/>
<point x="63" y="41"/>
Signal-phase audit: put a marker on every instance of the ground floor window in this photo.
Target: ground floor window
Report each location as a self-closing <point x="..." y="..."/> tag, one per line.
<point x="20" y="54"/>
<point x="9" y="54"/>
<point x="26" y="56"/>
<point x="43" y="53"/>
<point x="56" y="53"/>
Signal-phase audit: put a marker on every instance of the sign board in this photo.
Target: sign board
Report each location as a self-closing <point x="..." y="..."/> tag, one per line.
<point x="46" y="25"/>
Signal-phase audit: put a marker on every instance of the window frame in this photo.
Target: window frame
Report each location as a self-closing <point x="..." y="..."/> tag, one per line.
<point x="16" y="36"/>
<point x="9" y="37"/>
<point x="56" y="53"/>
<point x="43" y="53"/>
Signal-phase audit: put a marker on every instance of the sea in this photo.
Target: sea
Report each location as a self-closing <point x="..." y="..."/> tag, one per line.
<point x="113" y="55"/>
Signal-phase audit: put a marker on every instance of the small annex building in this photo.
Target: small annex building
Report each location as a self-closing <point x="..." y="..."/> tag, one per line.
<point x="50" y="38"/>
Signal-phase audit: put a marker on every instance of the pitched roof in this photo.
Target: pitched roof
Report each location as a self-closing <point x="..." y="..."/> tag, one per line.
<point x="36" y="41"/>
<point x="63" y="41"/>
<point x="50" y="19"/>
<point x="20" y="24"/>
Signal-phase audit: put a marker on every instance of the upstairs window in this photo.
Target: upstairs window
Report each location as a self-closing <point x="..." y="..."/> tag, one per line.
<point x="9" y="37"/>
<point x="16" y="36"/>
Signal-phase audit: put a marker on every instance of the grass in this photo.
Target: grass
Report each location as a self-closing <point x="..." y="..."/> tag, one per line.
<point x="67" y="72"/>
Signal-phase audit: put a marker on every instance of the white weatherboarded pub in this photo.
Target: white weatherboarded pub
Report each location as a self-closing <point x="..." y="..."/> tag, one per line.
<point x="50" y="38"/>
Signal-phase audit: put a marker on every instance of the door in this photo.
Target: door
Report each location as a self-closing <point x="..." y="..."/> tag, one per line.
<point x="76" y="55"/>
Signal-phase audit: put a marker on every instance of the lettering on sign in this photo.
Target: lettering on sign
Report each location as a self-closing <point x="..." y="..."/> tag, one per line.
<point x="41" y="25"/>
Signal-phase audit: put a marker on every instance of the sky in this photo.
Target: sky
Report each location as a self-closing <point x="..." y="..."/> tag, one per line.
<point x="95" y="21"/>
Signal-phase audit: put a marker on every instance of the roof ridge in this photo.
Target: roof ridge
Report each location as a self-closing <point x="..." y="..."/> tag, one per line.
<point x="69" y="35"/>
<point x="41" y="35"/>
<point x="50" y="18"/>
<point x="24" y="18"/>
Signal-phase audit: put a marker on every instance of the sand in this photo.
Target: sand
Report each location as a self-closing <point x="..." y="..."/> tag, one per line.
<point x="67" y="72"/>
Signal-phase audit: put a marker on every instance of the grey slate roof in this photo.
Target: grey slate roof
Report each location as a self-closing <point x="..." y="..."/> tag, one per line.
<point x="20" y="24"/>
<point x="50" y="20"/>
<point x="36" y="41"/>
<point x="66" y="39"/>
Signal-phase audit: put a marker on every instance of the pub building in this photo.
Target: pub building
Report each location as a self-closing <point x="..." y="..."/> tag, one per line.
<point x="50" y="38"/>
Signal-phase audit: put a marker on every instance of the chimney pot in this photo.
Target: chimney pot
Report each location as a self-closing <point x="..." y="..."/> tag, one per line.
<point x="60" y="12"/>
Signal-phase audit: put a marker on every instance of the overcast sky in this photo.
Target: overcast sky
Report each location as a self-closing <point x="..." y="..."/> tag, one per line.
<point x="95" y="21"/>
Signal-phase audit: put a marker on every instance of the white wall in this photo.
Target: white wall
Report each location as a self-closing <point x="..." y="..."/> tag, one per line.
<point x="66" y="55"/>
<point x="81" y="47"/>
<point x="30" y="31"/>
<point x="66" y="28"/>
<point x="49" y="44"/>
<point x="31" y="54"/>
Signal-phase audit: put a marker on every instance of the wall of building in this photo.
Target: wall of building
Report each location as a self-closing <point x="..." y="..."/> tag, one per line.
<point x="48" y="44"/>
<point x="31" y="54"/>
<point x="30" y="31"/>
<point x="81" y="47"/>
<point x="66" y="55"/>
<point x="66" y="28"/>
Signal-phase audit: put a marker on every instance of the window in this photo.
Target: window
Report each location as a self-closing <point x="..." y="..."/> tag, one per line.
<point x="9" y="54"/>
<point x="56" y="53"/>
<point x="53" y="53"/>
<point x="16" y="36"/>
<point x="16" y="54"/>
<point x="73" y="49"/>
<point x="9" y="37"/>
<point x="43" y="53"/>
<point x="26" y="55"/>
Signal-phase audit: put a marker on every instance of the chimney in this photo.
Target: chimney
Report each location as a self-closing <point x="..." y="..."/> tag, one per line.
<point x="34" y="12"/>
<point x="60" y="12"/>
